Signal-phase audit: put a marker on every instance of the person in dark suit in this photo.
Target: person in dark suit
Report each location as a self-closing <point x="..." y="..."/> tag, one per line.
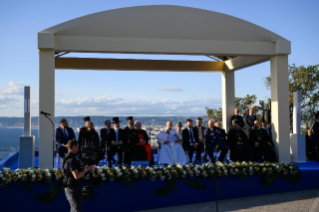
<point x="105" y="134"/>
<point x="89" y="137"/>
<point x="191" y="141"/>
<point x="128" y="129"/>
<point x="310" y="146"/>
<point x="217" y="125"/>
<point x="238" y="143"/>
<point x="87" y="122"/>
<point x="62" y="136"/>
<point x="249" y="121"/>
<point x="117" y="141"/>
<point x="213" y="137"/>
<point x="201" y="139"/>
<point x="238" y="117"/>
<point x="315" y="130"/>
<point x="261" y="144"/>
<point x="140" y="148"/>
<point x="266" y="127"/>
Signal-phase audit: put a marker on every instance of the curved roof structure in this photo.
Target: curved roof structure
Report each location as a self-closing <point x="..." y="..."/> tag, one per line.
<point x="165" y="29"/>
<point x="164" y="22"/>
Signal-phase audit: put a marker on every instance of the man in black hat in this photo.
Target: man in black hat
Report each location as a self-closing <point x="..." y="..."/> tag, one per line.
<point x="89" y="137"/>
<point x="87" y="122"/>
<point x="117" y="142"/>
<point x="238" y="143"/>
<point x="261" y="145"/>
<point x="315" y="130"/>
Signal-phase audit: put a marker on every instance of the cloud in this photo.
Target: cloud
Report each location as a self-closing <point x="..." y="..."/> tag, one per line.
<point x="6" y="102"/>
<point x="15" y="84"/>
<point x="15" y="90"/>
<point x="171" y="89"/>
<point x="108" y="105"/>
<point x="241" y="85"/>
<point x="12" y="91"/>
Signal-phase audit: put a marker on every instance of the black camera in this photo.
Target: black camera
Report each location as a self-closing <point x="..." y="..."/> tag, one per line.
<point x="91" y="153"/>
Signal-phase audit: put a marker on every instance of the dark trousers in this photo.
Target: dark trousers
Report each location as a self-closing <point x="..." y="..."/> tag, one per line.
<point x="210" y="146"/>
<point x="240" y="153"/>
<point x="112" y="150"/>
<point x="62" y="150"/>
<point x="317" y="151"/>
<point x="267" y="151"/>
<point x="74" y="197"/>
<point x="198" y="151"/>
<point x="311" y="155"/>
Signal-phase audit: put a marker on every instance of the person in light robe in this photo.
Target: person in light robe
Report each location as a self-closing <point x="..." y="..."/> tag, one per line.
<point x="170" y="150"/>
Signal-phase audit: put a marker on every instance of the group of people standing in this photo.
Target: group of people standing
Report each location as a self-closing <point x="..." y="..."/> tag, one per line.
<point x="132" y="142"/>
<point x="253" y="145"/>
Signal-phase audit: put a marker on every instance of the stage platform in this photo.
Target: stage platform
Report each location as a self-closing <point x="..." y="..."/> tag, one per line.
<point x="118" y="196"/>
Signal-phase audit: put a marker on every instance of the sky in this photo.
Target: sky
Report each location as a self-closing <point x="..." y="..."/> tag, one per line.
<point x="113" y="93"/>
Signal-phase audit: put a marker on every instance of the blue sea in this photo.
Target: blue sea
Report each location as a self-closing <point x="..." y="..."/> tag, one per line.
<point x="9" y="137"/>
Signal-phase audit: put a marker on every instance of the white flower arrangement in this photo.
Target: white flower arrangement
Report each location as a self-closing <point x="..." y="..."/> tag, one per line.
<point x="208" y="170"/>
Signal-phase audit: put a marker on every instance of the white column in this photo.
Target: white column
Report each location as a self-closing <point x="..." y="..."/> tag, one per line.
<point x="228" y="97"/>
<point x="46" y="104"/>
<point x="280" y="107"/>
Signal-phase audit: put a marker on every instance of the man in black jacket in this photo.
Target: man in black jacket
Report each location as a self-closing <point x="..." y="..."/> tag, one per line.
<point x="249" y="121"/>
<point x="105" y="134"/>
<point x="117" y="141"/>
<point x="128" y="134"/>
<point x="238" y="143"/>
<point x="191" y="141"/>
<point x="310" y="146"/>
<point x="223" y="132"/>
<point x="238" y="117"/>
<point x="261" y="144"/>
<point x="315" y="130"/>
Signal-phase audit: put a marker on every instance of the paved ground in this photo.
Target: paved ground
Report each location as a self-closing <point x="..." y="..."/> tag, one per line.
<point x="298" y="201"/>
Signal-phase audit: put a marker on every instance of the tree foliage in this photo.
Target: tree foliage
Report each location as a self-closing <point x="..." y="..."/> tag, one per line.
<point x="243" y="103"/>
<point x="305" y="80"/>
<point x="215" y="114"/>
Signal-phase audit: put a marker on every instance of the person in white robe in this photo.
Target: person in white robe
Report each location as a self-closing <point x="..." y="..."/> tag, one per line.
<point x="170" y="151"/>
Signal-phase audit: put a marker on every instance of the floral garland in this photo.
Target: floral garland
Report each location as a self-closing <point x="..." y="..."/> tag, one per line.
<point x="269" y="171"/>
<point x="29" y="175"/>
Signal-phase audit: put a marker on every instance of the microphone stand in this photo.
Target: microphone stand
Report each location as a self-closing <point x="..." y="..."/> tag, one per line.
<point x="215" y="180"/>
<point x="46" y="115"/>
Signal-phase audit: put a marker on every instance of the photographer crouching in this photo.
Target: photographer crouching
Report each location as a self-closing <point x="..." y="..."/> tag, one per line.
<point x="72" y="174"/>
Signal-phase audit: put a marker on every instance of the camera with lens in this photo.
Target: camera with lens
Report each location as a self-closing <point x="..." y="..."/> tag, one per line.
<point x="91" y="154"/>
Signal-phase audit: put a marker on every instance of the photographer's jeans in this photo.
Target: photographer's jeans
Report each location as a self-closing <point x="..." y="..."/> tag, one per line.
<point x="74" y="196"/>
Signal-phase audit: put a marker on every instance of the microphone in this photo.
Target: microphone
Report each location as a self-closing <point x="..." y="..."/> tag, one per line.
<point x="45" y="113"/>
